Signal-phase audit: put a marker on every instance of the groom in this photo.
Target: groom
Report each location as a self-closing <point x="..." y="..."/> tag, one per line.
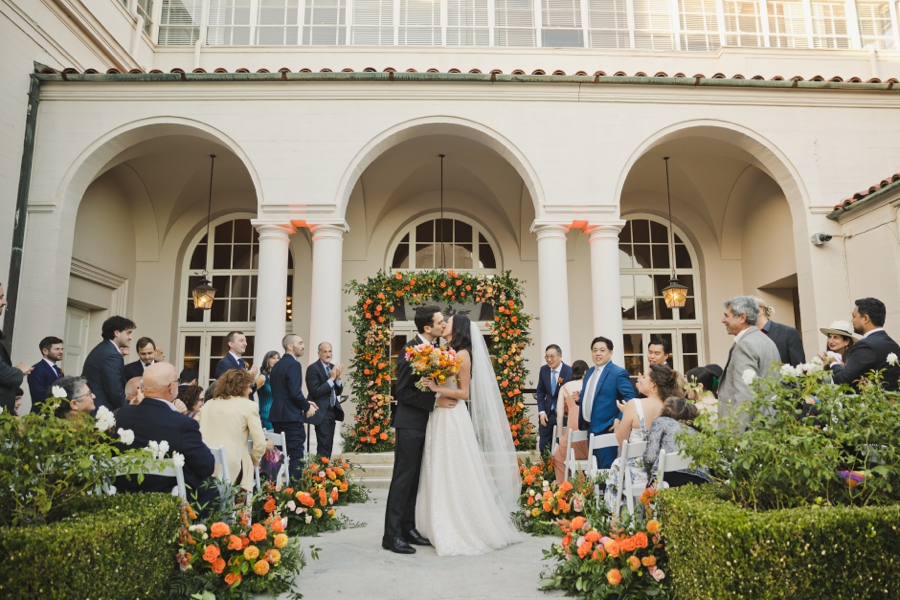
<point x="413" y="409"/>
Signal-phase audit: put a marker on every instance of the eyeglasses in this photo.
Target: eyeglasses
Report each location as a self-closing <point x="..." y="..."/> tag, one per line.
<point x="87" y="393"/>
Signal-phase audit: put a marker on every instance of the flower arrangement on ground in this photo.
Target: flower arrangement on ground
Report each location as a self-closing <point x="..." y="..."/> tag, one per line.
<point x="372" y="317"/>
<point x="545" y="501"/>
<point x="603" y="558"/>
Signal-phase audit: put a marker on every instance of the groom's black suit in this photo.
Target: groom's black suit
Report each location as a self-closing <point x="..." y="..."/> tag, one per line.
<point x="413" y="409"/>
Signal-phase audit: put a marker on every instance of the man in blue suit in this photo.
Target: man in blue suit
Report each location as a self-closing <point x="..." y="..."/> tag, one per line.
<point x="290" y="408"/>
<point x="552" y="377"/>
<point x="604" y="385"/>
<point x="104" y="367"/>
<point x="237" y="345"/>
<point x="45" y="372"/>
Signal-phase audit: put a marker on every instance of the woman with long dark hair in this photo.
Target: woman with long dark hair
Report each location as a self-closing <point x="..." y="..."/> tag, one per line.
<point x="264" y="388"/>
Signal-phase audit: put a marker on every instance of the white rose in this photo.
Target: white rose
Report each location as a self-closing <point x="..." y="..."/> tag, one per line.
<point x="163" y="448"/>
<point x="291" y="505"/>
<point x="154" y="447"/>
<point x="530" y="492"/>
<point x="308" y="518"/>
<point x="892" y="359"/>
<point x="813" y="367"/>
<point x="748" y="376"/>
<point x="126" y="435"/>
<point x="178" y="459"/>
<point x="321" y="473"/>
<point x="58" y="392"/>
<point x="105" y="419"/>
<point x="787" y="370"/>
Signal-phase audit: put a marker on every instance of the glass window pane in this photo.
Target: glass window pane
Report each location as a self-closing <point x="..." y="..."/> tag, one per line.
<point x="253" y="310"/>
<point x="628" y="309"/>
<point x="660" y="257"/>
<point x="688" y="281"/>
<point x="643" y="286"/>
<point x="625" y="234"/>
<point x="641" y="231"/>
<point x="401" y="257"/>
<point x="641" y="256"/>
<point x="662" y="311"/>
<point x="254" y="289"/>
<point x="240" y="310"/>
<point x="425" y="256"/>
<point x="248" y="354"/>
<point x="240" y="286"/>
<point x="689" y="311"/>
<point x="425" y="232"/>
<point x="463" y="232"/>
<point x="627" y="284"/>
<point x="462" y="256"/>
<point x="690" y="361"/>
<point x="243" y="231"/>
<point x="689" y="343"/>
<point x="223" y="232"/>
<point x="192" y="345"/>
<point x="222" y="285"/>
<point x="198" y="258"/>
<point x="633" y="343"/>
<point x="644" y="309"/>
<point x="221" y="257"/>
<point x="660" y="282"/>
<point x="482" y="239"/>
<point x="241" y="257"/>
<point x="219" y="311"/>
<point x="634" y="365"/>
<point x="682" y="257"/>
<point x="659" y="233"/>
<point x="444" y="230"/>
<point x="194" y="315"/>
<point x="486" y="256"/>
<point x="625" y="260"/>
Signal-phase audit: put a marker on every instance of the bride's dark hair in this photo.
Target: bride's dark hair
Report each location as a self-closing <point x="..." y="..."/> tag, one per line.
<point x="462" y="337"/>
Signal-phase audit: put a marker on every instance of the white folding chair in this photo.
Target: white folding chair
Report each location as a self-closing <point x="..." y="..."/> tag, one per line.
<point x="625" y="487"/>
<point x="280" y="442"/>
<point x="669" y="463"/>
<point x="572" y="463"/>
<point x="554" y="442"/>
<point x="168" y="469"/>
<point x="222" y="461"/>
<point x="596" y="442"/>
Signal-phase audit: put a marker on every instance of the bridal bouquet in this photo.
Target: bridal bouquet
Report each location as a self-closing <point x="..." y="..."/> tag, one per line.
<point x="438" y="363"/>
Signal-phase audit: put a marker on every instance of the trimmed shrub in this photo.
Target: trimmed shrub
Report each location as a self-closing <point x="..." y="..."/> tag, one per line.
<point x="105" y="547"/>
<point x="717" y="549"/>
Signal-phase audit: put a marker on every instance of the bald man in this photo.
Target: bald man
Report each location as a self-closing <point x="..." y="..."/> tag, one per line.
<point x="156" y="419"/>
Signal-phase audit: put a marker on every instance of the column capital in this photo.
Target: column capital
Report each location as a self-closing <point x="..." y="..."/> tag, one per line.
<point x="273" y="230"/>
<point x="552" y="229"/>
<point x="603" y="230"/>
<point x="328" y="230"/>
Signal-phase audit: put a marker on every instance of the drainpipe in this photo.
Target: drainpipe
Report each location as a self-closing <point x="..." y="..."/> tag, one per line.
<point x="18" y="243"/>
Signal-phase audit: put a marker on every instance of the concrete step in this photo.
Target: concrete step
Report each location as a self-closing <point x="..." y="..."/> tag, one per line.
<point x="379" y="458"/>
<point x="376" y="483"/>
<point x="370" y="471"/>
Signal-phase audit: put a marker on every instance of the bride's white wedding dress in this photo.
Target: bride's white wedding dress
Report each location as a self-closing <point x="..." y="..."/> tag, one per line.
<point x="469" y="482"/>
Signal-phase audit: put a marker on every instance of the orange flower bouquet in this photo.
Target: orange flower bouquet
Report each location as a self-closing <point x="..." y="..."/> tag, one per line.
<point x="437" y="363"/>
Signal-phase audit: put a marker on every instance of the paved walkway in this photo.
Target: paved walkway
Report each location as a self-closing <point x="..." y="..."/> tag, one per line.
<point x="352" y="564"/>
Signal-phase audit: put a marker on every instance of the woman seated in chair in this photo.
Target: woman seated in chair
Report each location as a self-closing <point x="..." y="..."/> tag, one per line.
<point x="79" y="401"/>
<point x="228" y="419"/>
<point x="677" y="417"/>
<point x="567" y="402"/>
<point x="638" y="416"/>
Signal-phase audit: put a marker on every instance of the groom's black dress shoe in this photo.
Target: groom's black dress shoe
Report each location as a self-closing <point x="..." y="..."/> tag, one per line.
<point x="397" y="545"/>
<point x="414" y="537"/>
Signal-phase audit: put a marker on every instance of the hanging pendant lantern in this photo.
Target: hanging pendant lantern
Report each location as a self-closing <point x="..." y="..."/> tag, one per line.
<point x="675" y="294"/>
<point x="205" y="293"/>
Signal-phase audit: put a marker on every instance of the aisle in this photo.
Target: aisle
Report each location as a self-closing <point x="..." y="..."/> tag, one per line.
<point x="352" y="564"/>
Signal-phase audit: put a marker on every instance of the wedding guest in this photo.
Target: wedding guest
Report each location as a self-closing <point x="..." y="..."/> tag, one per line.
<point x="676" y="419"/>
<point x="210" y="390"/>
<point x="786" y="338"/>
<point x="160" y="355"/>
<point x="264" y="387"/>
<point x="155" y="419"/>
<point x="871" y="351"/>
<point x="192" y="396"/>
<point x="10" y="377"/>
<point x="703" y="383"/>
<point x="133" y="391"/>
<point x="146" y="350"/>
<point x="638" y="415"/>
<point x="659" y="351"/>
<point x="839" y="339"/>
<point x="567" y="401"/>
<point x="228" y="420"/>
<point x="79" y="400"/>
<point x="20" y="393"/>
<point x="187" y="376"/>
<point x="45" y="371"/>
<point x="104" y="368"/>
<point x="323" y="382"/>
<point x="234" y="359"/>
<point x="752" y="351"/>
<point x="604" y="385"/>
<point x="290" y="408"/>
<point x="551" y="377"/>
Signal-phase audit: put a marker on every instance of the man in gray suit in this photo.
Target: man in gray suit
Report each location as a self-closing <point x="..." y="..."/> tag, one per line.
<point x="752" y="350"/>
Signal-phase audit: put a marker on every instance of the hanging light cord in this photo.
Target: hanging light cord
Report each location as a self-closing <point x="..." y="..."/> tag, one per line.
<point x="212" y="165"/>
<point x="442" y="211"/>
<point x="671" y="233"/>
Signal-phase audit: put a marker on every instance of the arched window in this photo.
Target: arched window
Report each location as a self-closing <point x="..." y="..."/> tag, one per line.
<point x="232" y="261"/>
<point x="645" y="267"/>
<point x="453" y="242"/>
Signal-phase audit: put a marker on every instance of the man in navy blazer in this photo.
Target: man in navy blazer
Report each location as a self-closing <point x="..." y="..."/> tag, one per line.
<point x="290" y="408"/>
<point x="146" y="349"/>
<point x="104" y="368"/>
<point x="323" y="382"/>
<point x="237" y="345"/>
<point x="605" y="384"/>
<point x="45" y="372"/>
<point x="872" y="351"/>
<point x="551" y="377"/>
<point x="155" y="419"/>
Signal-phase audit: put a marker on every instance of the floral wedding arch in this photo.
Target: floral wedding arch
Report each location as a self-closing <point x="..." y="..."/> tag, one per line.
<point x="381" y="297"/>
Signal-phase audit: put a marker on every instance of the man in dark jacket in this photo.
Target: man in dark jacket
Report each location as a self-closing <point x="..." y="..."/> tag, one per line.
<point x="786" y="338"/>
<point x="876" y="351"/>
<point x="323" y="383"/>
<point x="10" y="377"/>
<point x="290" y="408"/>
<point x="104" y="367"/>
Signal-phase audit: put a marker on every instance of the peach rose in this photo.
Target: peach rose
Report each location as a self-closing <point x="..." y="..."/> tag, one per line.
<point x="211" y="553"/>
<point x="577" y="522"/>
<point x="592" y="536"/>
<point x="219" y="529"/>
<point x="649" y="561"/>
<point x="278" y="525"/>
<point x="583" y="549"/>
<point x="234" y="543"/>
<point x="634" y="563"/>
<point x="614" y="577"/>
<point x="270" y="505"/>
<point x="232" y="578"/>
<point x="628" y="544"/>
<point x="218" y="566"/>
<point x="640" y="540"/>
<point x="612" y="548"/>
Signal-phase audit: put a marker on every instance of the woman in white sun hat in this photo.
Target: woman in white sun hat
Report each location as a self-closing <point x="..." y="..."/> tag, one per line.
<point x="840" y="339"/>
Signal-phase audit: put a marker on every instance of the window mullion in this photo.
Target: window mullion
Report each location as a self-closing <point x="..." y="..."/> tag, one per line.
<point x="629" y="9"/>
<point x="807" y="16"/>
<point x="764" y="21"/>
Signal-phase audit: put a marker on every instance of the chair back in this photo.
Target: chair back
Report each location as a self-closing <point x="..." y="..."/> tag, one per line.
<point x="624" y="489"/>
<point x="571" y="463"/>
<point x="280" y="442"/>
<point x="553" y="441"/>
<point x="222" y="461"/>
<point x="166" y="469"/>
<point x="596" y="442"/>
<point x="669" y="463"/>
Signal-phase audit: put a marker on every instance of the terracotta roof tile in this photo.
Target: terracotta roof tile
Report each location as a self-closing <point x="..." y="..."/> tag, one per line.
<point x="849" y="202"/>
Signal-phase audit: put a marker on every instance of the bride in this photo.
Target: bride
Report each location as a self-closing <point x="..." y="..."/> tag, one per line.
<point x="469" y="482"/>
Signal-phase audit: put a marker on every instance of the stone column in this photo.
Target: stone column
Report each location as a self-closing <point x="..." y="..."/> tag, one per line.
<point x="553" y="286"/>
<point x="606" y="289"/>
<point x="271" y="290"/>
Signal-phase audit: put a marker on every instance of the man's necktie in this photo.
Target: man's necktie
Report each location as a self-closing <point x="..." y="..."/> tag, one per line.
<point x="552" y="382"/>
<point x="328" y="374"/>
<point x="587" y="403"/>
<point x="59" y="372"/>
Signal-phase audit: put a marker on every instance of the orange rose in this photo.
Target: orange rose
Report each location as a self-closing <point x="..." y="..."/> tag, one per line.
<point x="614" y="577"/>
<point x="530" y="500"/>
<point x="653" y="526"/>
<point x="289" y="491"/>
<point x="278" y="525"/>
<point x="281" y="540"/>
<point x="270" y="505"/>
<point x="211" y="553"/>
<point x="628" y="544"/>
<point x="612" y="547"/>
<point x="261" y="567"/>
<point x="334" y="494"/>
<point x="578" y="523"/>
<point x="245" y="541"/>
<point x="306" y="499"/>
<point x="234" y="543"/>
<point x="640" y="540"/>
<point x="218" y="566"/>
<point x="648" y="561"/>
<point x="251" y="552"/>
<point x="273" y="556"/>
<point x="584" y="549"/>
<point x="257" y="533"/>
<point x="566" y="486"/>
<point x="232" y="578"/>
<point x="567" y="539"/>
<point x="634" y="563"/>
<point x="546" y="506"/>
<point x="323" y="498"/>
<point x="592" y="536"/>
<point x="383" y="436"/>
<point x="219" y="529"/>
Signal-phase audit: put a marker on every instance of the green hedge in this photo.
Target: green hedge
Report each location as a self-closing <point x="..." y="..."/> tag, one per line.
<point x="107" y="547"/>
<point x="717" y="549"/>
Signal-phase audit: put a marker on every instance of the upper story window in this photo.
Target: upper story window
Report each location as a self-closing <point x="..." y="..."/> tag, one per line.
<point x="691" y="25"/>
<point x="451" y="243"/>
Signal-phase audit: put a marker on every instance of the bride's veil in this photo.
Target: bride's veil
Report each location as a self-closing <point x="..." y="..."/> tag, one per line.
<point x="491" y="425"/>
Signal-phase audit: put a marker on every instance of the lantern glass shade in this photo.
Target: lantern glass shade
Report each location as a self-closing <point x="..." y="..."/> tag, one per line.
<point x="204" y="294"/>
<point x="675" y="294"/>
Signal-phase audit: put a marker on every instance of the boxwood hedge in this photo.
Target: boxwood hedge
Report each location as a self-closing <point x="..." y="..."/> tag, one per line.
<point x="719" y="550"/>
<point x="105" y="548"/>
